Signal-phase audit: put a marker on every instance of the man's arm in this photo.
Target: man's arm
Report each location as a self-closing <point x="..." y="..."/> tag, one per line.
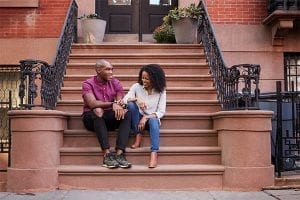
<point x="92" y="102"/>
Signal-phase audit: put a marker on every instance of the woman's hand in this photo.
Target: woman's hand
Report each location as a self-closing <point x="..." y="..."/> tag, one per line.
<point x="142" y="123"/>
<point x="141" y="103"/>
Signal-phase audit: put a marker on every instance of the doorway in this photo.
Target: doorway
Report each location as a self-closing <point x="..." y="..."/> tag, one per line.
<point x="133" y="16"/>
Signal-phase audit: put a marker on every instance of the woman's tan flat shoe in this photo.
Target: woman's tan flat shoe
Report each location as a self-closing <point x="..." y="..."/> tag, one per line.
<point x="137" y="143"/>
<point x="153" y="160"/>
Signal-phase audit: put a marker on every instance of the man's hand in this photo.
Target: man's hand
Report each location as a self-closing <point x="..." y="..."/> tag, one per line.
<point x="119" y="111"/>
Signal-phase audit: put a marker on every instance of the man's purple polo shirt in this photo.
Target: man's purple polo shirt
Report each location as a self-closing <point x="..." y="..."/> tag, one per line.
<point x="106" y="92"/>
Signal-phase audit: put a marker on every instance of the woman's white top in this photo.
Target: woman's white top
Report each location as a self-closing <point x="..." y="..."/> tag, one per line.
<point x="155" y="102"/>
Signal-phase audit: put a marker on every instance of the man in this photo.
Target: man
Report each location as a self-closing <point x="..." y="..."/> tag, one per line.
<point x="103" y="111"/>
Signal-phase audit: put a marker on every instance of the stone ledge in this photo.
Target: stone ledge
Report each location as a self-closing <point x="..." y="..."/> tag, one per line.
<point x="281" y="22"/>
<point x="19" y="3"/>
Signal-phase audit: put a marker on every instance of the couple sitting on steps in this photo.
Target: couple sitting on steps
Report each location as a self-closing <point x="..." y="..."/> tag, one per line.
<point x="106" y="108"/>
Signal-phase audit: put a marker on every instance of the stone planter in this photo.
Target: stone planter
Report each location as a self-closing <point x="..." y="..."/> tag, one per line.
<point x="93" y="30"/>
<point x="185" y="31"/>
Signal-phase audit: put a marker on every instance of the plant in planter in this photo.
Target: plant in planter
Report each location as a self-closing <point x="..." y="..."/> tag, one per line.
<point x="184" y="21"/>
<point x="164" y="34"/>
<point x="93" y="28"/>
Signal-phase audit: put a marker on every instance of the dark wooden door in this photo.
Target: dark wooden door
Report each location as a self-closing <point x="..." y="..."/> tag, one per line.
<point x="153" y="13"/>
<point x="124" y="16"/>
<point x="121" y="17"/>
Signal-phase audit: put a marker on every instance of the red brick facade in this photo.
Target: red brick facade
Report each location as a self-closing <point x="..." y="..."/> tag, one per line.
<point x="34" y="22"/>
<point x="237" y="11"/>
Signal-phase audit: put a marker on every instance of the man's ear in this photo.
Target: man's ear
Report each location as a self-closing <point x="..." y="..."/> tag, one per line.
<point x="99" y="70"/>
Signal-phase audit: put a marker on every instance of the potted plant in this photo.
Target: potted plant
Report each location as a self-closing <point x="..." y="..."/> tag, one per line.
<point x="185" y="23"/>
<point x="164" y="34"/>
<point x="93" y="28"/>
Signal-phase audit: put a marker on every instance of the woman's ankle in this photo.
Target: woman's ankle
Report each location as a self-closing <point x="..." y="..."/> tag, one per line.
<point x="137" y="142"/>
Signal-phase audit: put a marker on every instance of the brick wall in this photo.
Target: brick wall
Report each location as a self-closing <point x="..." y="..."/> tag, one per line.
<point x="43" y="22"/>
<point x="237" y="11"/>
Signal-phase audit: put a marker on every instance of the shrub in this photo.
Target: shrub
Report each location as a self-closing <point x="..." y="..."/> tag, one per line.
<point x="164" y="34"/>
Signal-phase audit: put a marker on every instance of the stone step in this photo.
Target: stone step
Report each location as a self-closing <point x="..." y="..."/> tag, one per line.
<point x="139" y="58"/>
<point x="3" y="181"/>
<point x="290" y="180"/>
<point x="128" y="80"/>
<point x="133" y="68"/>
<point x="180" y="106"/>
<point x="173" y="93"/>
<point x="140" y="156"/>
<point x="135" y="48"/>
<point x="163" y="177"/>
<point x="174" y="121"/>
<point x="168" y="137"/>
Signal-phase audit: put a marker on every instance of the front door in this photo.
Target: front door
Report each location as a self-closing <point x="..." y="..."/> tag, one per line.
<point x="133" y="16"/>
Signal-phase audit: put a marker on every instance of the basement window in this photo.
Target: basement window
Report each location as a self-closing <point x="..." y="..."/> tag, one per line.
<point x="292" y="71"/>
<point x="19" y="3"/>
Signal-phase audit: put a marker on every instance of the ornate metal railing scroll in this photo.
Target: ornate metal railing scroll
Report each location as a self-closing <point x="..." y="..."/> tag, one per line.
<point x="237" y="86"/>
<point x="51" y="75"/>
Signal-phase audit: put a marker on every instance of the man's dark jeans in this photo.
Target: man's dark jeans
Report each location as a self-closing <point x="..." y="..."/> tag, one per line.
<point x="108" y="122"/>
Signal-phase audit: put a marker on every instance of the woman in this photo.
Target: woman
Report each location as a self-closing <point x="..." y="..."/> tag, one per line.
<point x="146" y="100"/>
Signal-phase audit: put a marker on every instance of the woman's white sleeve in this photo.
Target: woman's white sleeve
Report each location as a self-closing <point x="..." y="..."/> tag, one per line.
<point x="162" y="105"/>
<point x="130" y="93"/>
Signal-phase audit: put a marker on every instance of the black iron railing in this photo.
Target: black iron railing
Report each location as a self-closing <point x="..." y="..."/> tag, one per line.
<point x="237" y="86"/>
<point x="274" y="5"/>
<point x="51" y="75"/>
<point x="286" y="128"/>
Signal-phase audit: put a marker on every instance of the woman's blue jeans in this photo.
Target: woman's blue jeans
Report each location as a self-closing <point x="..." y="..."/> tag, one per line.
<point x="152" y="125"/>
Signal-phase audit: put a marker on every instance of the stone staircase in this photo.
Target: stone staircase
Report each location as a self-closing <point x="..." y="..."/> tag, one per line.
<point x="189" y="157"/>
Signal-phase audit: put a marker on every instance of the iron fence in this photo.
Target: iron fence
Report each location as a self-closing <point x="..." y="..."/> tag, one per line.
<point x="285" y="127"/>
<point x="9" y="81"/>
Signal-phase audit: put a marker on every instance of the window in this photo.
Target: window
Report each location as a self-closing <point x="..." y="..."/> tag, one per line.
<point x="292" y="71"/>
<point x="9" y="81"/>
<point x="119" y="2"/>
<point x="160" y="2"/>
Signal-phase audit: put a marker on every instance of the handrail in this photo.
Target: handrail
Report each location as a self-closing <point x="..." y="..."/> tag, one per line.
<point x="51" y="75"/>
<point x="237" y="86"/>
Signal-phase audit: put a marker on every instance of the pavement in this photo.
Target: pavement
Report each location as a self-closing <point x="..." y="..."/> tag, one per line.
<point x="287" y="194"/>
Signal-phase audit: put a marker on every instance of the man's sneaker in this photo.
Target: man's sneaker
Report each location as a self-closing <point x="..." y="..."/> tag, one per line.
<point x="109" y="161"/>
<point x="121" y="159"/>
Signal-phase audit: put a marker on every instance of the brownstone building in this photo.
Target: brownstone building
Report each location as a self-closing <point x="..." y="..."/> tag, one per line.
<point x="203" y="146"/>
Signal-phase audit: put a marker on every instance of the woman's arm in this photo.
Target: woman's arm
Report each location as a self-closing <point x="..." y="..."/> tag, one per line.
<point x="161" y="109"/>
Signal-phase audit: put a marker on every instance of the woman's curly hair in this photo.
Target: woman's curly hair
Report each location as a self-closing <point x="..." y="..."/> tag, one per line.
<point x="157" y="76"/>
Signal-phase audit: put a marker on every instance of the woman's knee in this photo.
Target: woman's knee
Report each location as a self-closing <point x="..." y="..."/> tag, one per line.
<point x="153" y="122"/>
<point x="131" y="106"/>
<point x="98" y="112"/>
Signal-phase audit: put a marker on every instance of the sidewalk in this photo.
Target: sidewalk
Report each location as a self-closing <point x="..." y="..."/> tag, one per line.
<point x="291" y="194"/>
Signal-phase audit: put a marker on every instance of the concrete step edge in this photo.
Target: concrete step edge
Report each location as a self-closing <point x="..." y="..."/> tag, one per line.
<point x="172" y="150"/>
<point x="142" y="169"/>
<point x="167" y="115"/>
<point x="139" y="45"/>
<point x="198" y="89"/>
<point x="131" y="64"/>
<point x="72" y="132"/>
